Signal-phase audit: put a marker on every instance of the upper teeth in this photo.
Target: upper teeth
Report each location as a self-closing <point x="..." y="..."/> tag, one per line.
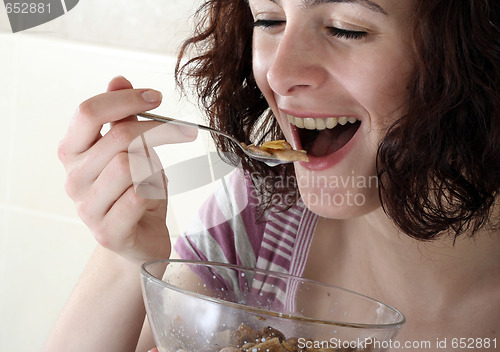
<point x="320" y="123"/>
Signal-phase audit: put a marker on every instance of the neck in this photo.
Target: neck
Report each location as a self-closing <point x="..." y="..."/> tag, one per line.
<point x="439" y="268"/>
<point x="438" y="285"/>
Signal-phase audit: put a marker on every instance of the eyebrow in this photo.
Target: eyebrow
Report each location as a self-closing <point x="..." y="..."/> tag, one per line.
<point x="366" y="3"/>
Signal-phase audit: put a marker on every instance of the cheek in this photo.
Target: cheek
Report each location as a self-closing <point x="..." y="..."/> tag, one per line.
<point x="262" y="55"/>
<point x="387" y="89"/>
<point x="377" y="78"/>
<point x="392" y="92"/>
<point x="259" y="62"/>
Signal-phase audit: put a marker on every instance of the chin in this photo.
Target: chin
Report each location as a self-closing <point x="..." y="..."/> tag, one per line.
<point x="345" y="190"/>
<point x="343" y="203"/>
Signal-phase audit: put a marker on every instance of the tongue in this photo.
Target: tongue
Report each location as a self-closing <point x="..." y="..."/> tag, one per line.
<point x="329" y="141"/>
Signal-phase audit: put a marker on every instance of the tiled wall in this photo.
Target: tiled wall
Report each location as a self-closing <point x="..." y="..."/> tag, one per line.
<point x="45" y="73"/>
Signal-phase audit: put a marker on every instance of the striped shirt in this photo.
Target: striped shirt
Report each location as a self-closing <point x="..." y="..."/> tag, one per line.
<point x="228" y="230"/>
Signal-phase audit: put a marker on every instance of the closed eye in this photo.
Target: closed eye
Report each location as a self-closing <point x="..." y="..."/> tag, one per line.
<point x="268" y="23"/>
<point x="337" y="32"/>
<point x="346" y="34"/>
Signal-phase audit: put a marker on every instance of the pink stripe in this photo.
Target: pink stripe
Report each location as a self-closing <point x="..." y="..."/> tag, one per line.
<point x="283" y="227"/>
<point x="285" y="217"/>
<point x="224" y="236"/>
<point x="184" y="247"/>
<point x="277" y="246"/>
<point x="254" y="229"/>
<point x="274" y="258"/>
<point x="304" y="241"/>
<point x="284" y="236"/>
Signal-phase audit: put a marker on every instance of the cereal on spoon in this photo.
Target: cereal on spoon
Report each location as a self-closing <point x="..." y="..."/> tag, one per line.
<point x="280" y="149"/>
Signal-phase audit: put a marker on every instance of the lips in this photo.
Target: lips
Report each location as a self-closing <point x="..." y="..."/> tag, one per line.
<point x="321" y="137"/>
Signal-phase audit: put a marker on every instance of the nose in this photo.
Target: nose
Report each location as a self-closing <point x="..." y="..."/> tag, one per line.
<point x="297" y="63"/>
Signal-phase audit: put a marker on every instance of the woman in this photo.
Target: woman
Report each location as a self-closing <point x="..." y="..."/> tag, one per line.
<point x="411" y="87"/>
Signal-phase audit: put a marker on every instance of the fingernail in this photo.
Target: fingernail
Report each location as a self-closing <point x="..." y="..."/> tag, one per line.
<point x="152" y="96"/>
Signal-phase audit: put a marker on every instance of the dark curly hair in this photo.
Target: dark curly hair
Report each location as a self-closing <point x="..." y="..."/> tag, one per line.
<point x="438" y="165"/>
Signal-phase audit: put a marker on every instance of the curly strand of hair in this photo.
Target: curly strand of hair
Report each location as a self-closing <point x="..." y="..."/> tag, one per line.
<point x="445" y="178"/>
<point x="221" y="73"/>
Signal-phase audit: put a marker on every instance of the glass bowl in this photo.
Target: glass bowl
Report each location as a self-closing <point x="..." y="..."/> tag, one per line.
<point x="195" y="306"/>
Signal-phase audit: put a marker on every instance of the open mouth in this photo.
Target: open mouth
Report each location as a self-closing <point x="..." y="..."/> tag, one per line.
<point x="324" y="136"/>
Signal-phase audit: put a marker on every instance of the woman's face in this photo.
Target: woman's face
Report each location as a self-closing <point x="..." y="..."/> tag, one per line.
<point x="336" y="75"/>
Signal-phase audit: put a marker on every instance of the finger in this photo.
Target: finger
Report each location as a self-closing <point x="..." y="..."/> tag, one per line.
<point x="93" y="113"/>
<point x="122" y="220"/>
<point x="147" y="174"/>
<point x="145" y="166"/>
<point x="111" y="186"/>
<point x="161" y="134"/>
<point x="113" y="182"/>
<point x="119" y="83"/>
<point x="135" y="138"/>
<point x="153" y="187"/>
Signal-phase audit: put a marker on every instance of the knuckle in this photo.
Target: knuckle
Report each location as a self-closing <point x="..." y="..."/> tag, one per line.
<point x="69" y="188"/>
<point x="84" y="210"/>
<point x="98" y="226"/>
<point x="102" y="236"/>
<point x="86" y="109"/>
<point x="135" y="199"/>
<point x="81" y="211"/>
<point x="121" y="163"/>
<point x="105" y="234"/>
<point x="64" y="153"/>
<point x="71" y="184"/>
<point x="121" y="134"/>
<point x="61" y="151"/>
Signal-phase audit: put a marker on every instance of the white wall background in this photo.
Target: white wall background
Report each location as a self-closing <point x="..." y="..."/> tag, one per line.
<point x="45" y="73"/>
<point x="146" y="25"/>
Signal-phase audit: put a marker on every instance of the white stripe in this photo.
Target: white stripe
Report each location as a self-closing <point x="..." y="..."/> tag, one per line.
<point x="287" y="221"/>
<point x="298" y="254"/>
<point x="64" y="6"/>
<point x="205" y="242"/>
<point x="281" y="219"/>
<point x="231" y="203"/>
<point x="268" y="265"/>
<point x="303" y="247"/>
<point x="276" y="250"/>
<point x="271" y="289"/>
<point x="288" y="231"/>
<point x="287" y="225"/>
<point x="267" y="287"/>
<point x="207" y="245"/>
<point x="291" y="296"/>
<point x="279" y="242"/>
<point x="305" y="232"/>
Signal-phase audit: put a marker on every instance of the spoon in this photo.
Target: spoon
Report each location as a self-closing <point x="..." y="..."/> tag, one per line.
<point x="269" y="160"/>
